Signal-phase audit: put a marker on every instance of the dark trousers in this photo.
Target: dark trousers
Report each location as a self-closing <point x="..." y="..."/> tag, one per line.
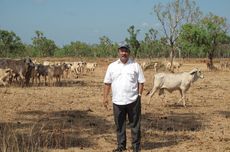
<point x="133" y="111"/>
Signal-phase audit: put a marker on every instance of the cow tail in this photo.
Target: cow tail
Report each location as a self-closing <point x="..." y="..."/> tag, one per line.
<point x="149" y="92"/>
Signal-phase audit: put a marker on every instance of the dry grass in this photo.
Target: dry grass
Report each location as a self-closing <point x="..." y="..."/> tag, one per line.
<point x="71" y="117"/>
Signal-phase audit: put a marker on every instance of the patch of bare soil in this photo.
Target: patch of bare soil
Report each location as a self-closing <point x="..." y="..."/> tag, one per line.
<point x="71" y="118"/>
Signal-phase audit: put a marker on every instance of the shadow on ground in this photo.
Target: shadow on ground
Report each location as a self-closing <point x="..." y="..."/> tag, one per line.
<point x="226" y="114"/>
<point x="36" y="130"/>
<point x="167" y="130"/>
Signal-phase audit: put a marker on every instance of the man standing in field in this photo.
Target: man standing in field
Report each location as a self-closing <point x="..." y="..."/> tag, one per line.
<point x="126" y="79"/>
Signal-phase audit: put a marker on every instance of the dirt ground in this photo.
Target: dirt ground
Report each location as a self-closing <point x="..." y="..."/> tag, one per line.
<point x="71" y="118"/>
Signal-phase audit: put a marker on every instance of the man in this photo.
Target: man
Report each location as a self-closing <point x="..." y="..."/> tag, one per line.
<point x="126" y="79"/>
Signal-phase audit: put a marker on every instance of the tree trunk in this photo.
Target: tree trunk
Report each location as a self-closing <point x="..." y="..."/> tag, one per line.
<point x="210" y="62"/>
<point x="172" y="54"/>
<point x="210" y="57"/>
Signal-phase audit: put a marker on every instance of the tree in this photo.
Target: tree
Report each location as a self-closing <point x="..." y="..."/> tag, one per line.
<point x="193" y="40"/>
<point x="77" y="48"/>
<point x="172" y="16"/>
<point x="104" y="40"/>
<point x="132" y="40"/>
<point x="206" y="37"/>
<point x="10" y="44"/>
<point x="223" y="49"/>
<point x="151" y="46"/>
<point x="105" y="46"/>
<point x="43" y="45"/>
<point x="216" y="28"/>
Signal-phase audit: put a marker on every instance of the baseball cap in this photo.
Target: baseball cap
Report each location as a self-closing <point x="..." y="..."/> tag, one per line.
<point x="123" y="45"/>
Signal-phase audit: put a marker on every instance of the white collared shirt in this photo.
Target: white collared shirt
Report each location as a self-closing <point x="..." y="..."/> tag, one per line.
<point x="124" y="79"/>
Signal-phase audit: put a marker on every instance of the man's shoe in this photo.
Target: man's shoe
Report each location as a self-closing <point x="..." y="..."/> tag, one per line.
<point x="119" y="149"/>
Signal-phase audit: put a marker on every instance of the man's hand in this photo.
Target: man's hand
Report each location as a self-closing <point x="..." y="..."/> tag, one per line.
<point x="105" y="103"/>
<point x="107" y="87"/>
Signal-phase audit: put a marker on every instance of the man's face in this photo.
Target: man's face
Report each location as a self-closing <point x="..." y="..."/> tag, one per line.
<point x="124" y="55"/>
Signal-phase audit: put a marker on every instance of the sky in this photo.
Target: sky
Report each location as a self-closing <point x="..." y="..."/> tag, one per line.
<point x="66" y="21"/>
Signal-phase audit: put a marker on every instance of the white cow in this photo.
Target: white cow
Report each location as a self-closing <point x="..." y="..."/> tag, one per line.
<point x="5" y="75"/>
<point x="144" y="65"/>
<point x="78" y="67"/>
<point x="150" y="64"/>
<point x="90" y="66"/>
<point x="176" y="65"/>
<point x="172" y="82"/>
<point x="224" y="65"/>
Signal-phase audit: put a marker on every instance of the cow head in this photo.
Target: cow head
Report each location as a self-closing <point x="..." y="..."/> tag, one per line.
<point x="27" y="60"/>
<point x="196" y="73"/>
<point x="29" y="65"/>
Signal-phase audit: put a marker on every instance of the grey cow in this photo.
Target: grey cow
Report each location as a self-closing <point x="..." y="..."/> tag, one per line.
<point x="22" y="68"/>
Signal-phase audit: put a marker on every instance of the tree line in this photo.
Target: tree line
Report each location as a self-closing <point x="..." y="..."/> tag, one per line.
<point x="185" y="32"/>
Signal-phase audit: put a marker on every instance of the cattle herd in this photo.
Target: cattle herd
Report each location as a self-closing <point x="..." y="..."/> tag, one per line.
<point x="166" y="65"/>
<point x="26" y="72"/>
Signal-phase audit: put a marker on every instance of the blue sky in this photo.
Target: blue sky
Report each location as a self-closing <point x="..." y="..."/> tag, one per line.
<point x="86" y="20"/>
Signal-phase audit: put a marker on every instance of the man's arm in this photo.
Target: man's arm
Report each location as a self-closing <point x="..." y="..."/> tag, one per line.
<point x="107" y="88"/>
<point x="140" y="88"/>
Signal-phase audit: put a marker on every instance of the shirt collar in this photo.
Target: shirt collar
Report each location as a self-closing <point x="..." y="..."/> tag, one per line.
<point x="129" y="61"/>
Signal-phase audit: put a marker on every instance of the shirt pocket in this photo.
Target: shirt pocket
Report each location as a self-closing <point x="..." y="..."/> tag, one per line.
<point x="115" y="75"/>
<point x="130" y="76"/>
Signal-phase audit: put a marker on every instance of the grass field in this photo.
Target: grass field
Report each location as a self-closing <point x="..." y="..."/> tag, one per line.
<point x="71" y="118"/>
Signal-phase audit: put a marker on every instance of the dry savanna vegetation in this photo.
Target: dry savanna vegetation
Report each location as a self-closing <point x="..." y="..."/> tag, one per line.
<point x="70" y="117"/>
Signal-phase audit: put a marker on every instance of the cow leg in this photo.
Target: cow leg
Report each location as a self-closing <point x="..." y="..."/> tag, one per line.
<point x="36" y="79"/>
<point x="152" y="93"/>
<point x="2" y="82"/>
<point x="45" y="77"/>
<point x="181" y="96"/>
<point x="59" y="80"/>
<point x="184" y="99"/>
<point x="182" y="93"/>
<point x="39" y="80"/>
<point x="162" y="94"/>
<point x="21" y="80"/>
<point x="32" y="80"/>
<point x="11" y="79"/>
<point x="49" y="81"/>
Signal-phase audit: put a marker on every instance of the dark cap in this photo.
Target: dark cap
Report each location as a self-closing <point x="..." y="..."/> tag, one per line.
<point x="123" y="45"/>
